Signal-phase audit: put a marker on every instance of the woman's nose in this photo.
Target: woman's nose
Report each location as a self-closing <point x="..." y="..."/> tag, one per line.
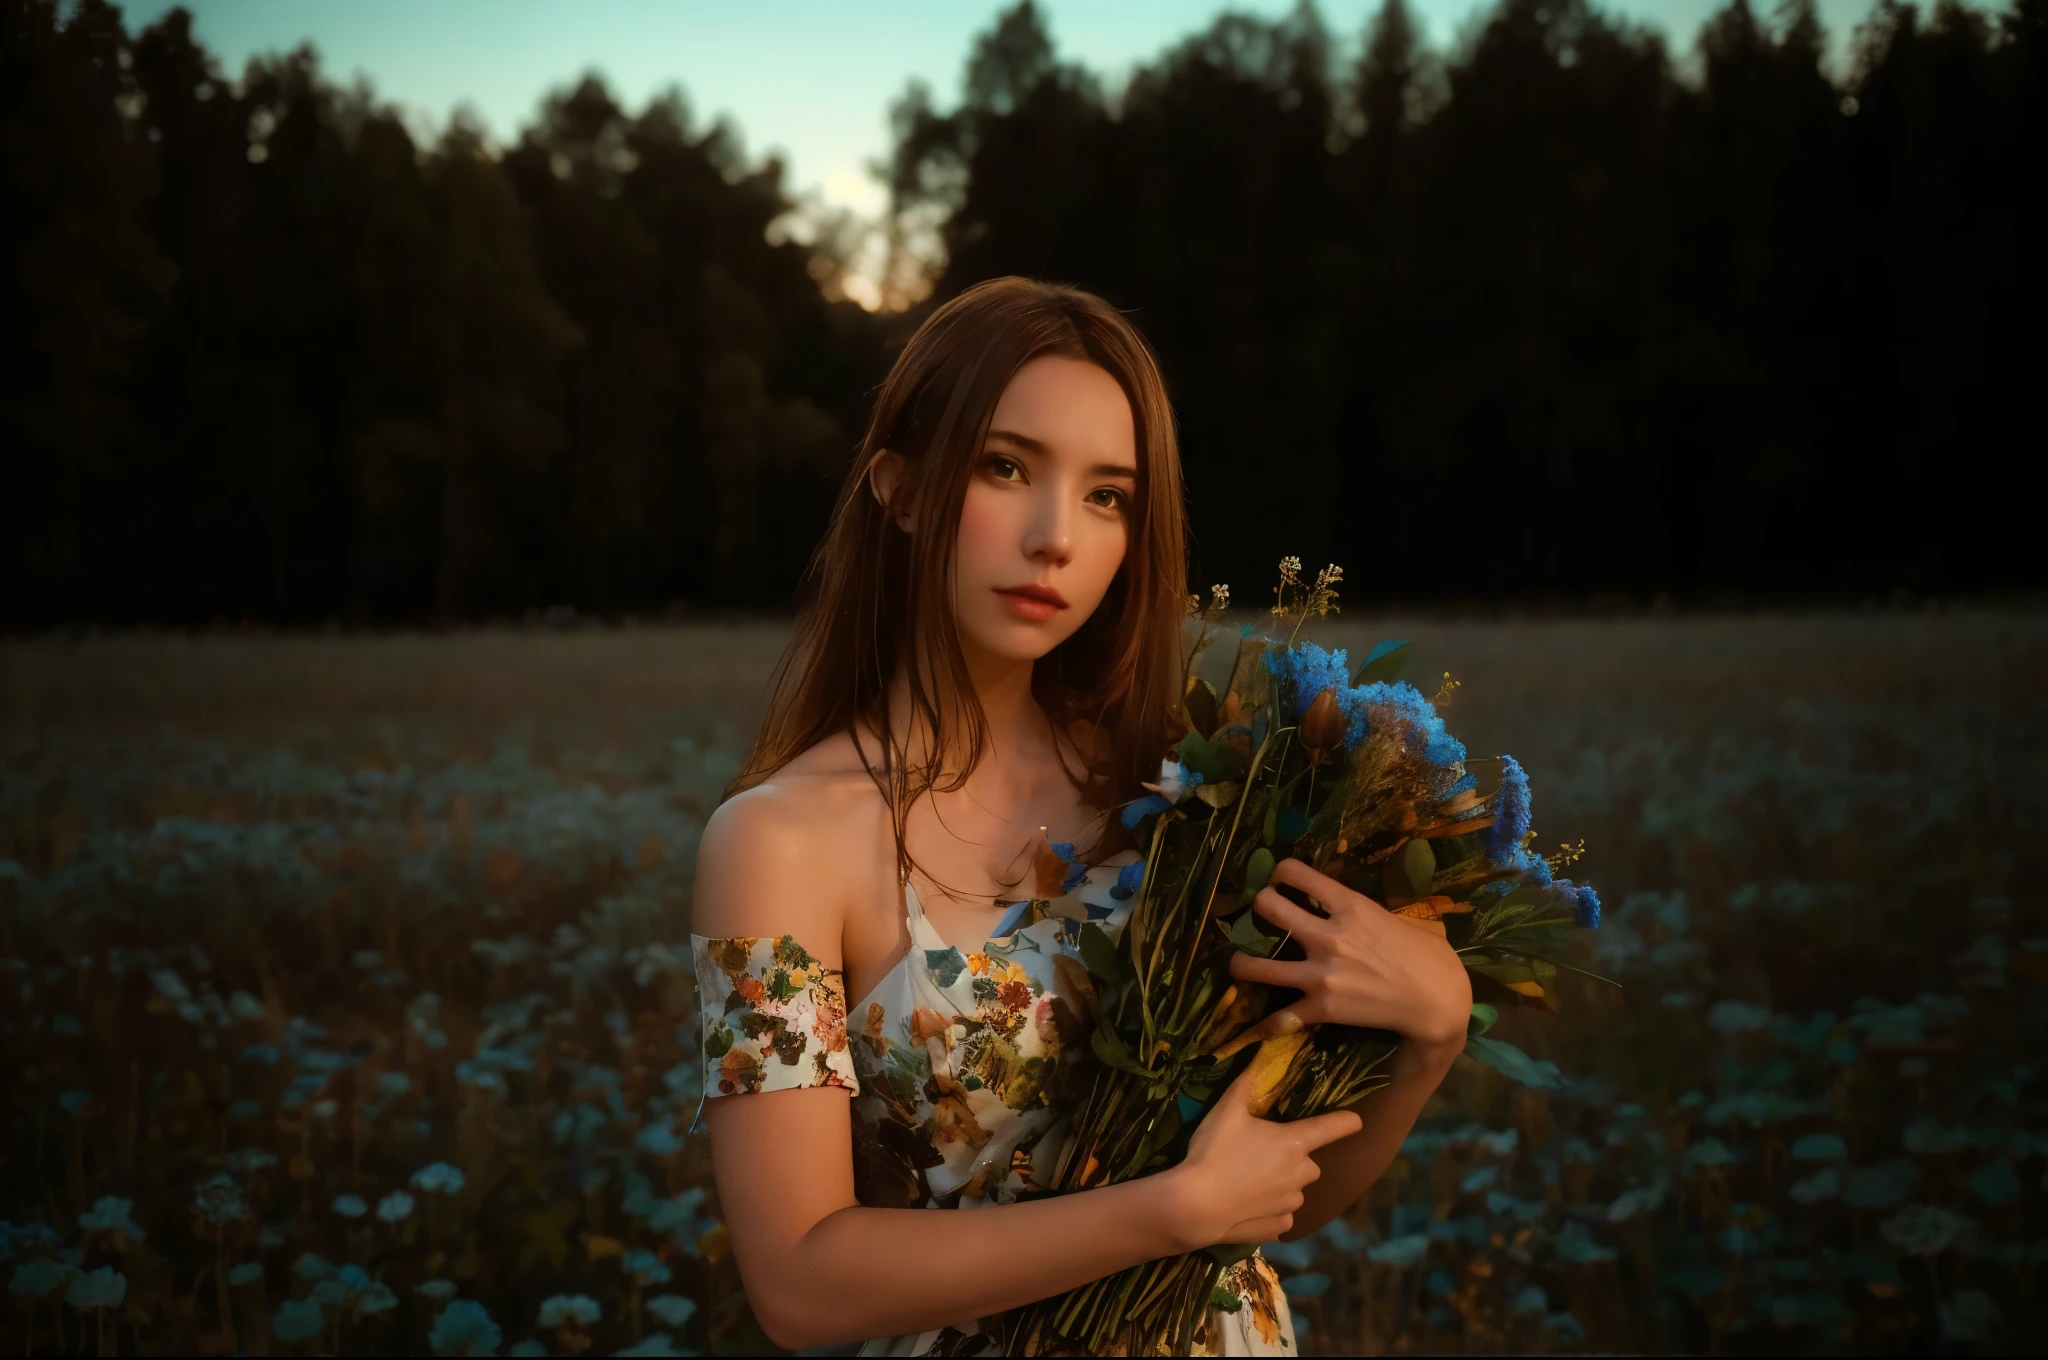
<point x="1047" y="538"/>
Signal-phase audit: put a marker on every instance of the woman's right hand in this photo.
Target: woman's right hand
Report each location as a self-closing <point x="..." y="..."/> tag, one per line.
<point x="1243" y="1177"/>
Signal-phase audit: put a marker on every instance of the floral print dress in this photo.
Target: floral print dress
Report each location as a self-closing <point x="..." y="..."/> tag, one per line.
<point x="948" y="1060"/>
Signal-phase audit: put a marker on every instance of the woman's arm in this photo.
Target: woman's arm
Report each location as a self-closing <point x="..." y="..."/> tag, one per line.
<point x="820" y="1268"/>
<point x="1368" y="968"/>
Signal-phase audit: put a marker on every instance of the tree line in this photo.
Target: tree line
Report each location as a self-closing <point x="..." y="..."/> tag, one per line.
<point x="1551" y="313"/>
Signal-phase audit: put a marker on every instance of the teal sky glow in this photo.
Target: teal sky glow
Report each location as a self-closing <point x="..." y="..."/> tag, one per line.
<point x="808" y="78"/>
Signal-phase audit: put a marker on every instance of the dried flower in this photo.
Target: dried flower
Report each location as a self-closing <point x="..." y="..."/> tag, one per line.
<point x="1323" y="726"/>
<point x="1219" y="598"/>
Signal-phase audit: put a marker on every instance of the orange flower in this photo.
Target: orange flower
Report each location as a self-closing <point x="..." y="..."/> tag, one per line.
<point x="977" y="964"/>
<point x="738" y="1072"/>
<point x="750" y="988"/>
<point x="1014" y="995"/>
<point x="926" y="1023"/>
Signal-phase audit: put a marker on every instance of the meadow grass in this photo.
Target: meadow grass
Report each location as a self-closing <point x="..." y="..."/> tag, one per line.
<point x="347" y="1000"/>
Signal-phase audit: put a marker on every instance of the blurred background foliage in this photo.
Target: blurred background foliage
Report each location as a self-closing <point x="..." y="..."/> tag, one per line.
<point x="1709" y="325"/>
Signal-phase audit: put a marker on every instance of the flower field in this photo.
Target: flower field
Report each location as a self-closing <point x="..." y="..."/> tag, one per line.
<point x="347" y="999"/>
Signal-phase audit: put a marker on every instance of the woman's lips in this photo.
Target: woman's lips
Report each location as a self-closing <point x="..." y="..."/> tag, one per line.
<point x="1037" y="603"/>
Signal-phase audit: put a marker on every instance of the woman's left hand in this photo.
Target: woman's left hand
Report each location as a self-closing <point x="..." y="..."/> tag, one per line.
<point x="1365" y="966"/>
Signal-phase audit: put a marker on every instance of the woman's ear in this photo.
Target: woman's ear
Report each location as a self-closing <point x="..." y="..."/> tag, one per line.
<point x="885" y="475"/>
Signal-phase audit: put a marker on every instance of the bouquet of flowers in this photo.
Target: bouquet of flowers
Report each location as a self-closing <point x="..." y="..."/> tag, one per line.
<point x="1355" y="774"/>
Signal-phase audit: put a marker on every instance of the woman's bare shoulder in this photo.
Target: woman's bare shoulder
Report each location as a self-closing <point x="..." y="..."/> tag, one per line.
<point x="790" y="855"/>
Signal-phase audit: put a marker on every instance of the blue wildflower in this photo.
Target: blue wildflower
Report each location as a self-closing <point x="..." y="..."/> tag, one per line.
<point x="1303" y="671"/>
<point x="1077" y="872"/>
<point x="1129" y="879"/>
<point x="218" y="1201"/>
<point x="465" y="1328"/>
<point x="440" y="1291"/>
<point x="1589" y="906"/>
<point x="37" y="1277"/>
<point x="112" y="1215"/>
<point x="671" y="1310"/>
<point x="297" y="1320"/>
<point x="1139" y="809"/>
<point x="248" y="1161"/>
<point x="266" y="1054"/>
<point x="1510" y="811"/>
<point x="653" y="1344"/>
<point x="528" y="1348"/>
<point x="438" y="1178"/>
<point x="395" y="1207"/>
<point x="245" y="1272"/>
<point x="658" y="1140"/>
<point x="71" y="1102"/>
<point x="645" y="1267"/>
<point x="562" y="1310"/>
<point x="350" y="1206"/>
<point x="311" y="1266"/>
<point x="102" y="1288"/>
<point x="1385" y="704"/>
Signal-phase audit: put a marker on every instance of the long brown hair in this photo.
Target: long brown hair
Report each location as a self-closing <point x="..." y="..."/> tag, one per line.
<point x="876" y="599"/>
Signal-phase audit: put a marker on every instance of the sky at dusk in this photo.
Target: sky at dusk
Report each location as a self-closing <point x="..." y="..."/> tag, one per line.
<point x="811" y="79"/>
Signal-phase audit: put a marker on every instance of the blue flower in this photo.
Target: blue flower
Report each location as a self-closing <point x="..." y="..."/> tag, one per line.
<point x="245" y="1272"/>
<point x="1129" y="879"/>
<point x="1401" y="703"/>
<point x="266" y="1054"/>
<point x="465" y="1328"/>
<point x="1510" y="811"/>
<point x="563" y="1309"/>
<point x="297" y="1320"/>
<point x="37" y="1277"/>
<point x="71" y="1102"/>
<point x="645" y="1267"/>
<point x="1303" y="671"/>
<point x="395" y="1207"/>
<point x="658" y="1140"/>
<point x="438" y="1178"/>
<point x="653" y="1344"/>
<point x="97" y="1289"/>
<point x="1077" y="872"/>
<point x="217" y="1201"/>
<point x="350" y="1206"/>
<point x="1139" y="809"/>
<point x="310" y="1266"/>
<point x="671" y="1310"/>
<point x="111" y="1215"/>
<point x="440" y="1291"/>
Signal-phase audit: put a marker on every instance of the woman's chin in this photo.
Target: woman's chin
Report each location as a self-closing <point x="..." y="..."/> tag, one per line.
<point x="1019" y="640"/>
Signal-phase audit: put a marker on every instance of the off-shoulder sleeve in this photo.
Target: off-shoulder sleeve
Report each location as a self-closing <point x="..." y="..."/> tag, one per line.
<point x="774" y="1016"/>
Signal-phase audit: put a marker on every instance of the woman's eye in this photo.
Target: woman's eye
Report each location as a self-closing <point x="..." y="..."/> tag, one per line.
<point x="1114" y="498"/>
<point x="1005" y="469"/>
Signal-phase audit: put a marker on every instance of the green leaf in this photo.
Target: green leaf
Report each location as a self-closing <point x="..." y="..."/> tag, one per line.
<point x="1511" y="1062"/>
<point x="1098" y="952"/>
<point x="1111" y="1050"/>
<point x="1385" y="661"/>
<point x="1228" y="1254"/>
<point x="1411" y="870"/>
<point x="1483" y="1018"/>
<point x="1246" y="935"/>
<point x="1271" y="826"/>
<point x="1200" y="703"/>
<point x="1258" y="870"/>
<point x="1216" y="763"/>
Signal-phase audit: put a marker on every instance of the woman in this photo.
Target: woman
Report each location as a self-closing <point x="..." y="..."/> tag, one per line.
<point x="990" y="661"/>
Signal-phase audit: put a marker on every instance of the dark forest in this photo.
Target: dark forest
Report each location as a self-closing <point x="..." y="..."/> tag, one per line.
<point x="1556" y="314"/>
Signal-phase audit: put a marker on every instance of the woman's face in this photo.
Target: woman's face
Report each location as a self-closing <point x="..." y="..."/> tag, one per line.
<point x="1046" y="519"/>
